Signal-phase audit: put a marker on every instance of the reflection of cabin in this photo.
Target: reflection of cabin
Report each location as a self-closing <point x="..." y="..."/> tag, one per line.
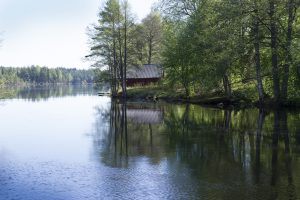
<point x="144" y="75"/>
<point x="145" y="116"/>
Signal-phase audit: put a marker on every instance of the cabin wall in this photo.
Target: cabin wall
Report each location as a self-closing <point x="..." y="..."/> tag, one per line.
<point x="141" y="81"/>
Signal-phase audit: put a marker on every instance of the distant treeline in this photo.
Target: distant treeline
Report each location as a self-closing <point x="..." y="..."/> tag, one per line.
<point x="36" y="75"/>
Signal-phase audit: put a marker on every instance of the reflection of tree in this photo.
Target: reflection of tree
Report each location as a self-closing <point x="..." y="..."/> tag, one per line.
<point x="231" y="152"/>
<point x="288" y="157"/>
<point x="297" y="135"/>
<point x="220" y="147"/>
<point x="129" y="138"/>
<point x="46" y="92"/>
<point x="275" y="138"/>
<point x="260" y="123"/>
<point x="7" y="94"/>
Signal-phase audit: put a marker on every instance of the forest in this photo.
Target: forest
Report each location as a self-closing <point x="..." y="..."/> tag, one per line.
<point x="35" y="75"/>
<point x="233" y="48"/>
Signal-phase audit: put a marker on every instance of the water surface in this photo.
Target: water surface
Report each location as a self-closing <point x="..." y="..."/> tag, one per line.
<point x="68" y="143"/>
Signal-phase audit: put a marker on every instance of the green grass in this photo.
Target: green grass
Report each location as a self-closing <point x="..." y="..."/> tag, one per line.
<point x="155" y="92"/>
<point x="242" y="96"/>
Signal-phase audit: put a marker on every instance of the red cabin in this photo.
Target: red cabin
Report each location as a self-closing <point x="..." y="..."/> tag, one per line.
<point x="144" y="75"/>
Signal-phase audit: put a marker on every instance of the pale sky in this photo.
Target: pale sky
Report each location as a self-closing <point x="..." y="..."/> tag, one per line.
<point x="51" y="32"/>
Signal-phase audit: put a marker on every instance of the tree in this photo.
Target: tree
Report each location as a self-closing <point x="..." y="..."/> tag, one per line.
<point x="110" y="42"/>
<point x="180" y="9"/>
<point x="232" y="36"/>
<point x="256" y="43"/>
<point x="137" y="48"/>
<point x="152" y="28"/>
<point x="291" y="12"/>
<point x="105" y="42"/>
<point x="274" y="49"/>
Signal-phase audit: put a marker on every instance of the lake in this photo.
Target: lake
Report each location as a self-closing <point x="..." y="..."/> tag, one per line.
<point x="68" y="143"/>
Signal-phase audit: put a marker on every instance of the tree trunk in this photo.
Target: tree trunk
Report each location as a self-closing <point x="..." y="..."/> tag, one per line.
<point x="125" y="53"/>
<point x="274" y="49"/>
<point x="227" y="86"/>
<point x="121" y="57"/>
<point x="150" y="52"/>
<point x="288" y="55"/>
<point x="260" y="88"/>
<point x="114" y="86"/>
<point x="187" y="91"/>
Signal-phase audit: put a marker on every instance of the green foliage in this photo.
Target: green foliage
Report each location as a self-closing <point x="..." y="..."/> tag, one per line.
<point x="152" y="34"/>
<point x="209" y="45"/>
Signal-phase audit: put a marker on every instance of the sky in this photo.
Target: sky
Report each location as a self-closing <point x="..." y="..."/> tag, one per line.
<point x="51" y="33"/>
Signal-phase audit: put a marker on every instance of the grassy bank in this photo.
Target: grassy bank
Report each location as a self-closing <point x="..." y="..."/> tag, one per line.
<point x="218" y="99"/>
<point x="215" y="99"/>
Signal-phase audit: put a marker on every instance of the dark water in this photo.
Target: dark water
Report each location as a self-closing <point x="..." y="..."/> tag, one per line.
<point x="67" y="143"/>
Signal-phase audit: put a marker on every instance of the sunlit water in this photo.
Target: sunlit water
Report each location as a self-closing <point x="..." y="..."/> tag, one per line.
<point x="68" y="143"/>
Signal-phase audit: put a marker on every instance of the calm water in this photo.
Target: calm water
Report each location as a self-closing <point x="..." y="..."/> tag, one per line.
<point x="68" y="143"/>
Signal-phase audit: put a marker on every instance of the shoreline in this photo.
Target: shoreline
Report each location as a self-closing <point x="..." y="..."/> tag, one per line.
<point x="215" y="101"/>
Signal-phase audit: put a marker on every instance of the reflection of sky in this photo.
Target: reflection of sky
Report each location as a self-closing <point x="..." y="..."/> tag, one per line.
<point x="48" y="130"/>
<point x="46" y="152"/>
<point x="143" y="180"/>
<point x="50" y="32"/>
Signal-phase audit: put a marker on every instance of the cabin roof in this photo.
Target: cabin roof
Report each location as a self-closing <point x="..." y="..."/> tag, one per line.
<point x="145" y="72"/>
